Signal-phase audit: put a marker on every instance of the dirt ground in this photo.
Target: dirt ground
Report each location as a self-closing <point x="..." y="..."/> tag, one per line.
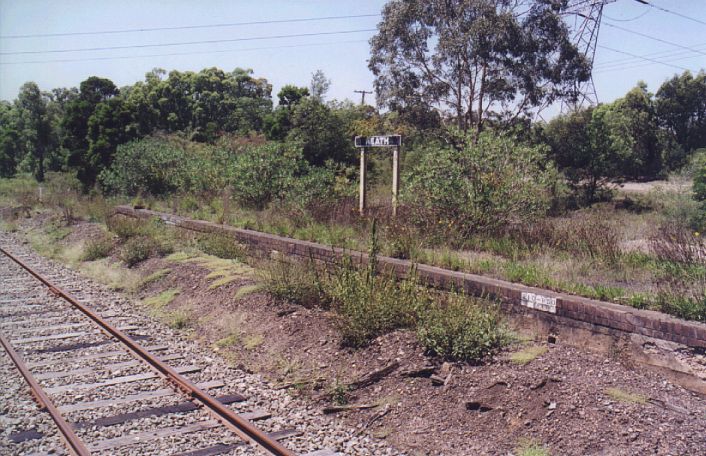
<point x="562" y="401"/>
<point x="570" y="401"/>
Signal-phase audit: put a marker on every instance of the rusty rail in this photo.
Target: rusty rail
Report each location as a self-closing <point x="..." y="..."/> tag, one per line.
<point x="72" y="441"/>
<point x="242" y="427"/>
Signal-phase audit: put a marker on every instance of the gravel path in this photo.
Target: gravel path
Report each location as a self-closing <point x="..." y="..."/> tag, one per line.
<point x="20" y="296"/>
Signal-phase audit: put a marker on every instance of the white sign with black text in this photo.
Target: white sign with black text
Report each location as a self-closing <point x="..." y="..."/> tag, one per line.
<point x="539" y="302"/>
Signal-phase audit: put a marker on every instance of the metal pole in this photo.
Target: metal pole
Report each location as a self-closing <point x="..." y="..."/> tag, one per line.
<point x="395" y="179"/>
<point x="361" y="205"/>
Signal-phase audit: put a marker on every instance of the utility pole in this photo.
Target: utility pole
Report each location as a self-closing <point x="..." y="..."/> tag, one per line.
<point x="362" y="95"/>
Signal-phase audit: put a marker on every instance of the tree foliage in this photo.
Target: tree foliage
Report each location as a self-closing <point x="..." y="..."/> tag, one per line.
<point x="681" y="109"/>
<point x="35" y="128"/>
<point x="591" y="146"/>
<point x="471" y="60"/>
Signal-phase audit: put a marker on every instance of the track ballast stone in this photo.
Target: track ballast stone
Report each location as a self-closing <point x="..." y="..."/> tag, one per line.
<point x="20" y="413"/>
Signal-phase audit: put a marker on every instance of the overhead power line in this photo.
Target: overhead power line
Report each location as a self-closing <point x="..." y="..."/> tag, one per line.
<point x="671" y="43"/>
<point x="641" y="57"/>
<point x="640" y="16"/>
<point x="220" y="51"/>
<point x="185" y="43"/>
<point x="187" y="27"/>
<point x="684" y="16"/>
<point x="629" y="65"/>
<point x="668" y="53"/>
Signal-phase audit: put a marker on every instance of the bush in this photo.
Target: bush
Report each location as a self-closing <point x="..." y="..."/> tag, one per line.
<point x="677" y="244"/>
<point x="63" y="193"/>
<point x="137" y="249"/>
<point x="370" y="304"/>
<point x="222" y="246"/>
<point x="298" y="283"/>
<point x="700" y="188"/>
<point x="149" y="165"/>
<point x="266" y="173"/>
<point x="461" y="328"/>
<point x="125" y="227"/>
<point x="96" y="249"/>
<point x="479" y="186"/>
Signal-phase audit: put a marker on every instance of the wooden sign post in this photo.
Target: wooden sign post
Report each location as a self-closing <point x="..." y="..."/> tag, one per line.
<point x="394" y="141"/>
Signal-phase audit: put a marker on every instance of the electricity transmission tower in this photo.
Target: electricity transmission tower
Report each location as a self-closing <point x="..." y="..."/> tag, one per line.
<point x="587" y="16"/>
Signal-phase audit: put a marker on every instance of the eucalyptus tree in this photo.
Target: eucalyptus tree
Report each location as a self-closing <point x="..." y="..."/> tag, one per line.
<point x="470" y="60"/>
<point x="10" y="139"/>
<point x="681" y="107"/>
<point x="34" y="125"/>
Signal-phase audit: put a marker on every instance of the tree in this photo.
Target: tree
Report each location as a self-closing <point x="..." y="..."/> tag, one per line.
<point x="279" y="122"/>
<point x="649" y="143"/>
<point x="92" y="92"/>
<point x="107" y="128"/>
<point x="10" y="140"/>
<point x="591" y="147"/>
<point x="35" y="128"/>
<point x="321" y="133"/>
<point x="289" y="95"/>
<point x="319" y="85"/>
<point x="681" y="108"/>
<point x="469" y="60"/>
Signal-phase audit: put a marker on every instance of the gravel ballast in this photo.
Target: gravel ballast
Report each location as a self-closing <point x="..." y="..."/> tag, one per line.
<point x="21" y="292"/>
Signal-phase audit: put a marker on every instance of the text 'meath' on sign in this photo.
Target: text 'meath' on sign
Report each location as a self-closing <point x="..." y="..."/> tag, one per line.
<point x="378" y="141"/>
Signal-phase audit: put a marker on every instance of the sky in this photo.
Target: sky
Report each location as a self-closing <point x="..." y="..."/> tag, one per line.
<point x="656" y="35"/>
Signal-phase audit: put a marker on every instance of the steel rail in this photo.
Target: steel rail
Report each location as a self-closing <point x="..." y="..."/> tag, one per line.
<point x="72" y="441"/>
<point x="242" y="427"/>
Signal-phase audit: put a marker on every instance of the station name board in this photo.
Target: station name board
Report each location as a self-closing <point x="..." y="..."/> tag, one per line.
<point x="378" y="141"/>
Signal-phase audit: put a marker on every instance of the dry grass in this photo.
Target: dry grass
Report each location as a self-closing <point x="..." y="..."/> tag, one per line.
<point x="528" y="354"/>
<point x="247" y="290"/>
<point x="154" y="277"/>
<point x="529" y="447"/>
<point x="625" y="396"/>
<point x="111" y="274"/>
<point x="161" y="300"/>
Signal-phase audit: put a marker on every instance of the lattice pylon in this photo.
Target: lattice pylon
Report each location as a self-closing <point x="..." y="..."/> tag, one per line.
<point x="587" y="23"/>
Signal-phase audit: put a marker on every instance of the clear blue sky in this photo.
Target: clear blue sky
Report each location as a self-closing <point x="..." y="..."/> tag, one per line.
<point x="343" y="57"/>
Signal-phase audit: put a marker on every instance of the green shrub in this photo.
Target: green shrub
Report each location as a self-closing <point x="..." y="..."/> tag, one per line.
<point x="153" y="166"/>
<point x="369" y="303"/>
<point x="298" y="283"/>
<point x="699" y="189"/>
<point x="222" y="246"/>
<point x="139" y="248"/>
<point x="96" y="249"/>
<point x="126" y="227"/>
<point x="63" y="193"/>
<point x="266" y="173"/>
<point x="461" y="328"/>
<point x="479" y="186"/>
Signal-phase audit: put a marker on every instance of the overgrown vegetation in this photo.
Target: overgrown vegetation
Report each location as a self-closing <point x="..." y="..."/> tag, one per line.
<point x="461" y="328"/>
<point x="96" y="249"/>
<point x="369" y="302"/>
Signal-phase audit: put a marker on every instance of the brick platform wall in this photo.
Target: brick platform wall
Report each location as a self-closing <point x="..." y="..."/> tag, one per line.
<point x="559" y="308"/>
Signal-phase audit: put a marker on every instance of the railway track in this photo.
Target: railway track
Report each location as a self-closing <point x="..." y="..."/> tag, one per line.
<point x="112" y="387"/>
